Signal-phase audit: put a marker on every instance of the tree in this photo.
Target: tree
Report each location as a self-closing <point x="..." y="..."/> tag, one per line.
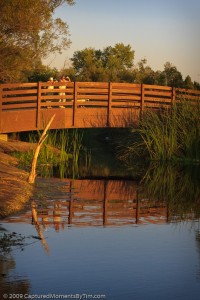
<point x="29" y="33"/>
<point x="196" y="85"/>
<point x="188" y="84"/>
<point x="103" y="65"/>
<point x="117" y="60"/>
<point x="42" y="73"/>
<point x="171" y="76"/>
<point x="88" y="64"/>
<point x="144" y="74"/>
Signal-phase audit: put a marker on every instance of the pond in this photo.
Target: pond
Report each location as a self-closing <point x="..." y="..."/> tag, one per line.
<point x="107" y="239"/>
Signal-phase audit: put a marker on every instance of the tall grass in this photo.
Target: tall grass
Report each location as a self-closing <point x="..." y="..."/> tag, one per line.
<point x="167" y="135"/>
<point x="60" y="154"/>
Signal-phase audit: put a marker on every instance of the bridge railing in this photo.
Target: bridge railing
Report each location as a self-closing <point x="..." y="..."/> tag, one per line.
<point x="41" y="95"/>
<point x="82" y="98"/>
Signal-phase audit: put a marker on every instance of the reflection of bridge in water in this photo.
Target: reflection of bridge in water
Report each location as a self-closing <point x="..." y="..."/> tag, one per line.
<point x="95" y="203"/>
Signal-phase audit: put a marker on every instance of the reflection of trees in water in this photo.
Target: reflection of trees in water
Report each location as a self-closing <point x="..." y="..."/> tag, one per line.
<point x="177" y="186"/>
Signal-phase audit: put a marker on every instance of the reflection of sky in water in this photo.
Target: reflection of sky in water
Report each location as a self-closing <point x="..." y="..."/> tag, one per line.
<point x="130" y="262"/>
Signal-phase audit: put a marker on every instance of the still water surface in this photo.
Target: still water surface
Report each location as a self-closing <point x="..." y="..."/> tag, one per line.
<point x="106" y="239"/>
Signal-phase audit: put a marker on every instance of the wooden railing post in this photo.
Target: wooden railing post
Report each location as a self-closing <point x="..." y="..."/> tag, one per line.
<point x="142" y="100"/>
<point x="109" y="110"/>
<point x="38" y="112"/>
<point x="1" y="106"/>
<point x="75" y="103"/>
<point x="173" y="99"/>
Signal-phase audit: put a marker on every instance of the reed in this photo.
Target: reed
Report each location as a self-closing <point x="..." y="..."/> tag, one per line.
<point x="60" y="155"/>
<point x="166" y="135"/>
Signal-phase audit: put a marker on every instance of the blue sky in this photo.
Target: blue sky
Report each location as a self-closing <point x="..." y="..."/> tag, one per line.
<point x="157" y="30"/>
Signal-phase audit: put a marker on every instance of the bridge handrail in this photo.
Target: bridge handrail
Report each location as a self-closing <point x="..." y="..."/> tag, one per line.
<point x="37" y="95"/>
<point x="109" y="98"/>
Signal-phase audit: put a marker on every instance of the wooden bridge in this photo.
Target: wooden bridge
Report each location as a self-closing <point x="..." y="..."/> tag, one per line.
<point x="29" y="106"/>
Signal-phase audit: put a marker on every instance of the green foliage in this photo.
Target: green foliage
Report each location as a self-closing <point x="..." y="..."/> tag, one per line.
<point x="28" y="33"/>
<point x="143" y="73"/>
<point x="116" y="64"/>
<point x="98" y="65"/>
<point x="188" y="84"/>
<point x="172" y="76"/>
<point x="42" y="73"/>
<point x="167" y="135"/>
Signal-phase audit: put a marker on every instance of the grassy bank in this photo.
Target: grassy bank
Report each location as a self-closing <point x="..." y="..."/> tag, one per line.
<point x="14" y="188"/>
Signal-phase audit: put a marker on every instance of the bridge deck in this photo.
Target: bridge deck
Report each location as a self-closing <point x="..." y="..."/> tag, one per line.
<point x="29" y="106"/>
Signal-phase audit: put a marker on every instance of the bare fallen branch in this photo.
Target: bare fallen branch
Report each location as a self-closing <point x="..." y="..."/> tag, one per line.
<point x="32" y="175"/>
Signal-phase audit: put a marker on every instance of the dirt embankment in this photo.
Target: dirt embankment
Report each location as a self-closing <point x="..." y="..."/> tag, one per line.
<point x="15" y="191"/>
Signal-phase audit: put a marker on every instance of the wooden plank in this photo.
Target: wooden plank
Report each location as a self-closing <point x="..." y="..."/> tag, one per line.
<point x="57" y="91"/>
<point x="18" y="106"/>
<point x="158" y="93"/>
<point x="93" y="84"/>
<point x="126" y="85"/>
<point x="156" y="87"/>
<point x="93" y="103"/>
<point x="128" y="98"/>
<point x="56" y="103"/>
<point x="153" y="99"/>
<point x="93" y="91"/>
<point x="126" y="91"/>
<point x="93" y="97"/>
<point x="20" y="99"/>
<point x="58" y="97"/>
<point x="19" y="92"/>
<point x="18" y="85"/>
<point x="126" y="104"/>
